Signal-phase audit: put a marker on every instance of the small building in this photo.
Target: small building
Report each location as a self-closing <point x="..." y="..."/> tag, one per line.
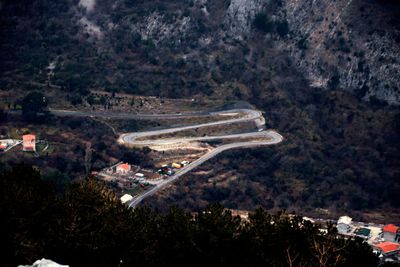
<point x="123" y="168"/>
<point x="125" y="198"/>
<point x="3" y="146"/>
<point x="29" y="142"/>
<point x="375" y="236"/>
<point x="139" y="175"/>
<point x="391" y="233"/>
<point x="343" y="225"/>
<point x="363" y="232"/>
<point x="387" y="248"/>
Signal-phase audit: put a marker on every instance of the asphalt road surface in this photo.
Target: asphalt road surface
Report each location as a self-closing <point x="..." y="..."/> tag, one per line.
<point x="130" y="115"/>
<point x="270" y="137"/>
<point x="248" y="115"/>
<point x="275" y="138"/>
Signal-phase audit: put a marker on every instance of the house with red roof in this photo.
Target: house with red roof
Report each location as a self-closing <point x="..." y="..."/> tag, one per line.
<point x="29" y="142"/>
<point x="3" y="146"/>
<point x="391" y="233"/>
<point x="123" y="168"/>
<point x="387" y="248"/>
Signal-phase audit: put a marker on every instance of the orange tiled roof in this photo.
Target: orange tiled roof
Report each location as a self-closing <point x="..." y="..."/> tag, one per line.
<point x="29" y="137"/>
<point x="125" y="166"/>
<point x="391" y="228"/>
<point x="388" y="246"/>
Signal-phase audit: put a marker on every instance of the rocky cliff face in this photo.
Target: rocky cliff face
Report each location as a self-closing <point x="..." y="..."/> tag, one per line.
<point x="349" y="44"/>
<point x="352" y="45"/>
<point x="240" y="14"/>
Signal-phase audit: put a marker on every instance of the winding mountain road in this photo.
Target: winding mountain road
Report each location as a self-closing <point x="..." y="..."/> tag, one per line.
<point x="248" y="115"/>
<point x="269" y="137"/>
<point x="275" y="138"/>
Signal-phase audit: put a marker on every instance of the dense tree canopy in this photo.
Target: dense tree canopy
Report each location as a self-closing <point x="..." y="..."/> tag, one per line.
<point x="87" y="226"/>
<point x="33" y="104"/>
<point x="339" y="153"/>
<point x="3" y="115"/>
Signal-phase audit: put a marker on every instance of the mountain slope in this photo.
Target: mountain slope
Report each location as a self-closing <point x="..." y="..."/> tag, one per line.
<point x="320" y="70"/>
<point x="347" y="44"/>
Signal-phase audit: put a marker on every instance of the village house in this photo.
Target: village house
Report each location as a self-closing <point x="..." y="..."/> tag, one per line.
<point x="363" y="232"/>
<point x="3" y="146"/>
<point x="343" y="225"/>
<point x="123" y="168"/>
<point x="391" y="233"/>
<point x="387" y="248"/>
<point x="29" y="142"/>
<point x="125" y="198"/>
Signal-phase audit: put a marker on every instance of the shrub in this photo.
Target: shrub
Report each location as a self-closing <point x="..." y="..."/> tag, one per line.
<point x="302" y="44"/>
<point x="282" y="28"/>
<point x="263" y="23"/>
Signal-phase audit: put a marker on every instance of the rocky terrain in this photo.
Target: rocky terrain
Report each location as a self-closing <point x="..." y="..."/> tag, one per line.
<point x="346" y="44"/>
<point x="351" y="45"/>
<point x="323" y="72"/>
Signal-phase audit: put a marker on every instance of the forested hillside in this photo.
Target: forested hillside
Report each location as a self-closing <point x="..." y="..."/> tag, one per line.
<point x="219" y="48"/>
<point x="323" y="73"/>
<point x="86" y="225"/>
<point x="338" y="154"/>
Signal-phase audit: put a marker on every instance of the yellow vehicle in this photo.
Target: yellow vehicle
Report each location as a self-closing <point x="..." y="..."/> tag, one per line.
<point x="176" y="165"/>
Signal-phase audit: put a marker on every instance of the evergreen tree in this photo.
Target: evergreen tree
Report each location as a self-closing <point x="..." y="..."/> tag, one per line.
<point x="88" y="226"/>
<point x="34" y="104"/>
